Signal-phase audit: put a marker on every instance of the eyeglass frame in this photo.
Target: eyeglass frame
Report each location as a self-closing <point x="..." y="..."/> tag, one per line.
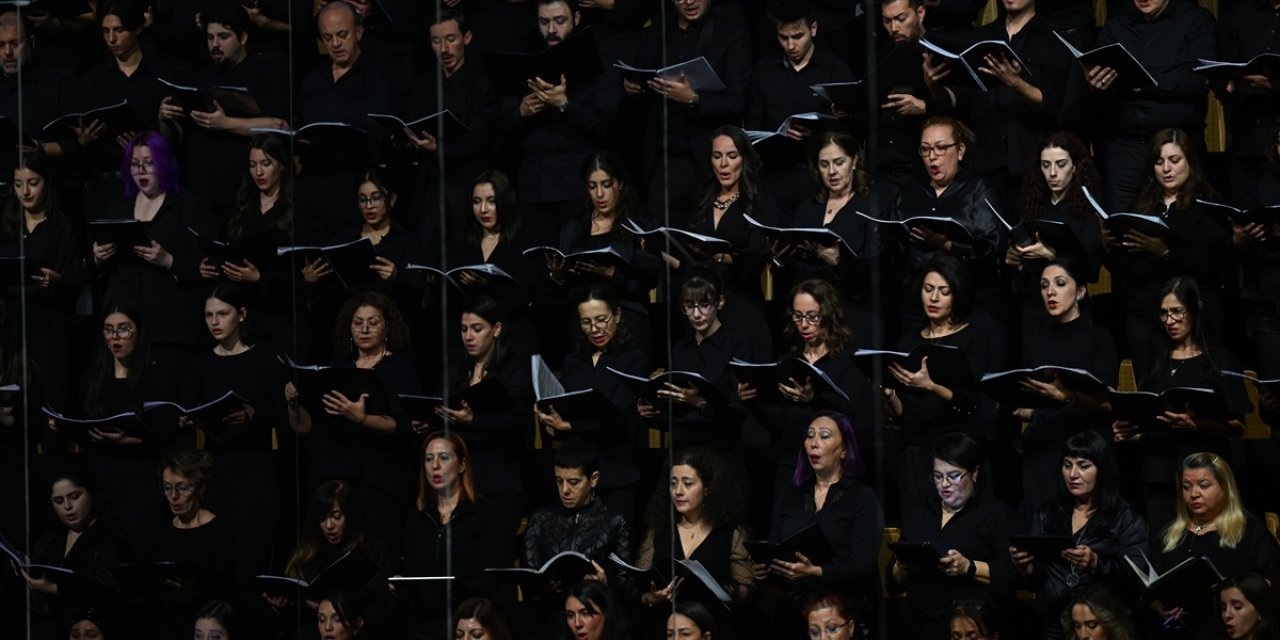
<point x="119" y="331"/>
<point x="939" y="150"/>
<point x="1177" y="315"/>
<point x="378" y="197"/>
<point x="180" y="489"/>
<point x="588" y="324"/>
<point x="813" y="317"/>
<point x="146" y="166"/>
<point x="829" y="632"/>
<point x="938" y="478"/>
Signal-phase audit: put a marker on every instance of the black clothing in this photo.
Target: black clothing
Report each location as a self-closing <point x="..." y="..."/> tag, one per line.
<point x="495" y="439"/>
<point x="1087" y="228"/>
<point x="750" y="247"/>
<point x="45" y="96"/>
<point x="925" y="416"/>
<point x="979" y="532"/>
<point x="718" y="425"/>
<point x="94" y="556"/>
<point x="778" y="90"/>
<point x="593" y="531"/>
<point x="851" y="520"/>
<point x="965" y="200"/>
<point x="719" y="552"/>
<point x="616" y="440"/>
<point x="210" y="549"/>
<point x="853" y="275"/>
<point x="478" y="543"/>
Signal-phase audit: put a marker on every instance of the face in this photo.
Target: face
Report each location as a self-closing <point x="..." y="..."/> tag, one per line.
<point x="1202" y="494"/>
<point x="142" y="167"/>
<point x="29" y="187"/>
<point x="796" y="40"/>
<point x="224" y="45"/>
<point x="72" y="504"/>
<point x="85" y="630"/>
<point x="484" y="206"/>
<point x="1150" y="8"/>
<point x="687" y="490"/>
<point x="828" y="623"/>
<point x="222" y="319"/>
<point x="1172" y="168"/>
<point x="598" y="322"/>
<point x="1060" y="293"/>
<point x="702" y="313"/>
<point x="824" y="444"/>
<point x="955" y="485"/>
<point x="726" y="162"/>
<point x="836" y="166"/>
<point x="1081" y="477"/>
<point x="681" y="627"/>
<point x="334" y="525"/>
<point x="182" y="495"/>
<point x="935" y="294"/>
<point x="583" y="624"/>
<point x="121" y="335"/>
<point x="941" y="154"/>
<point x="1175" y="317"/>
<point x="121" y="42"/>
<point x="575" y="487"/>
<point x="450" y="45"/>
<point x="691" y="10"/>
<point x="470" y="629"/>
<point x="265" y="171"/>
<point x="556" y="22"/>
<point x="1239" y="617"/>
<point x="375" y="204"/>
<point x="15" y="50"/>
<point x="443" y="466"/>
<point x="1086" y="624"/>
<point x="368" y="329"/>
<point x="331" y="625"/>
<point x="1016" y="6"/>
<point x="964" y="628"/>
<point x="901" y="21"/>
<point x="479" y="336"/>
<point x="340" y="35"/>
<point x="1058" y="169"/>
<point x="604" y="190"/>
<point x="210" y="629"/>
<point x="806" y="314"/>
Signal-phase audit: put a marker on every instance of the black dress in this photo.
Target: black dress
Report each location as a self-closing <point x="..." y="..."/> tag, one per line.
<point x="94" y="556"/>
<point x="851" y="521"/>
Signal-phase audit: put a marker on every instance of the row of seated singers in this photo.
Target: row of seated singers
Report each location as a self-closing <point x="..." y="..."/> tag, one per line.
<point x="454" y="530"/>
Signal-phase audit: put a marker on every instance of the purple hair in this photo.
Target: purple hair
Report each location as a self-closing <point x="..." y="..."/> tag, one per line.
<point x="852" y="463"/>
<point x="166" y="164"/>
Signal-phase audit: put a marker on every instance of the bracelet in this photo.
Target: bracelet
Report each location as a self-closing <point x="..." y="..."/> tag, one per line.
<point x="973" y="567"/>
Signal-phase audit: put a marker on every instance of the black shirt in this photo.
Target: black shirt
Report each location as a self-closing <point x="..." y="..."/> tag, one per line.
<point x="925" y="416"/>
<point x="965" y="200"/>
<point x="1125" y="535"/>
<point x="362" y="90"/>
<point x="1246" y="29"/>
<point x="778" y="90"/>
<point x="1199" y="246"/>
<point x="853" y="275"/>
<point x="255" y="375"/>
<point x="852" y="522"/>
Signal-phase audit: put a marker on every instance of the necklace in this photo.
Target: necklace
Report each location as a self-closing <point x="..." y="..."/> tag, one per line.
<point x="721" y="205"/>
<point x="1173" y="369"/>
<point x="1073" y="579"/>
<point x="836" y="203"/>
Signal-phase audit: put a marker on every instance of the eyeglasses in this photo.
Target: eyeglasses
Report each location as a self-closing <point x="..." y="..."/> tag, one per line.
<point x="1176" y="314"/>
<point x="953" y="478"/>
<point x="700" y="307"/>
<point x="829" y="631"/>
<point x="375" y="199"/>
<point x="811" y="317"/>
<point x="146" y="166"/>
<point x="122" y="331"/>
<point x="182" y="489"/>
<point x="937" y="149"/>
<point x="588" y="324"/>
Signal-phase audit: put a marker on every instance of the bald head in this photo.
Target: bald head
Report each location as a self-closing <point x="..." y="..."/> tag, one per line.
<point x="15" y="46"/>
<point x="340" y="30"/>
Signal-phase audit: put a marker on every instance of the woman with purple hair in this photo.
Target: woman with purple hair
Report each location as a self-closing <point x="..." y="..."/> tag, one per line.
<point x="162" y="277"/>
<point x="825" y="491"/>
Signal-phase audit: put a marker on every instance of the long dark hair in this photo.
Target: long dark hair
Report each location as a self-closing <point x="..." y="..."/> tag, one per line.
<point x="1151" y="197"/>
<point x="11" y="225"/>
<point x="629" y="207"/>
<point x="836" y="334"/>
<point x="102" y="368"/>
<point x="508" y="209"/>
<point x="721" y="502"/>
<point x="1262" y="595"/>
<point x="1187" y="291"/>
<point x="490" y="311"/>
<point x="599" y="600"/>
<point x="275" y="148"/>
<point x="1106" y="500"/>
<point x="485" y="612"/>
<point x="850" y="145"/>
<point x="323" y="499"/>
<point x="1035" y="191"/>
<point x="748" y="184"/>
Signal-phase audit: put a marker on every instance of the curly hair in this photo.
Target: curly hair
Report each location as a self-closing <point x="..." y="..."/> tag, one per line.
<point x="1151" y="197"/>
<point x="721" y="502"/>
<point x="836" y="334"/>
<point x="398" y="338"/>
<point x="1035" y="192"/>
<point x="748" y="184"/>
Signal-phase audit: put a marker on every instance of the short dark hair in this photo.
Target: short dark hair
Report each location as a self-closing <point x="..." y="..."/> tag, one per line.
<point x="914" y="4"/>
<point x="790" y="12"/>
<point x="446" y="14"/>
<point x="231" y="16"/>
<point x="487" y="614"/>
<point x="959" y="450"/>
<point x="958" y="277"/>
<point x="222" y="611"/>
<point x="572" y="4"/>
<point x="132" y="13"/>
<point x="577" y="453"/>
<point x="699" y="614"/>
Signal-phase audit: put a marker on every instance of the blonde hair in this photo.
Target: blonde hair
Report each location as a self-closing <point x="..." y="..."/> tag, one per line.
<point x="1230" y="522"/>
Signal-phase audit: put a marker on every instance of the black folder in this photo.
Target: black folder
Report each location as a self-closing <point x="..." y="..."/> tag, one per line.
<point x="810" y="542"/>
<point x="314" y="381"/>
<point x="566" y="568"/>
<point x="577" y="59"/>
<point x="394" y="127"/>
<point x="922" y="555"/>
<point x="485" y="397"/>
<point x="945" y="225"/>
<point x="258" y="248"/>
<point x="973" y="58"/>
<point x="766" y="376"/>
<point x="123" y="232"/>
<point x="350" y="572"/>
<point x="1140" y="408"/>
<point x="607" y="256"/>
<point x="948" y="365"/>
<point x="1263" y="64"/>
<point x="119" y="118"/>
<point x="350" y="261"/>
<point x="1130" y="74"/>
<point x="1005" y="387"/>
<point x="1188" y="585"/>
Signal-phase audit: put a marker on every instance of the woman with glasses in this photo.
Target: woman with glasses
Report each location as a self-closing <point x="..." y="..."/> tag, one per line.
<point x="162" y="278"/>
<point x="825" y="491"/>
<point x="819" y="334"/>
<point x="1197" y="243"/>
<point x="1061" y="335"/>
<point x="952" y="191"/>
<point x="1098" y="613"/>
<point x="358" y="439"/>
<point x="1089" y="509"/>
<point x="86" y="539"/>
<point x="194" y="537"/>
<point x="1210" y="523"/>
<point x="604" y="342"/>
<point x="921" y="408"/>
<point x="830" y="615"/>
<point x="453" y="530"/>
<point x="242" y="436"/>
<point x="1183" y="355"/>
<point x="967" y="530"/>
